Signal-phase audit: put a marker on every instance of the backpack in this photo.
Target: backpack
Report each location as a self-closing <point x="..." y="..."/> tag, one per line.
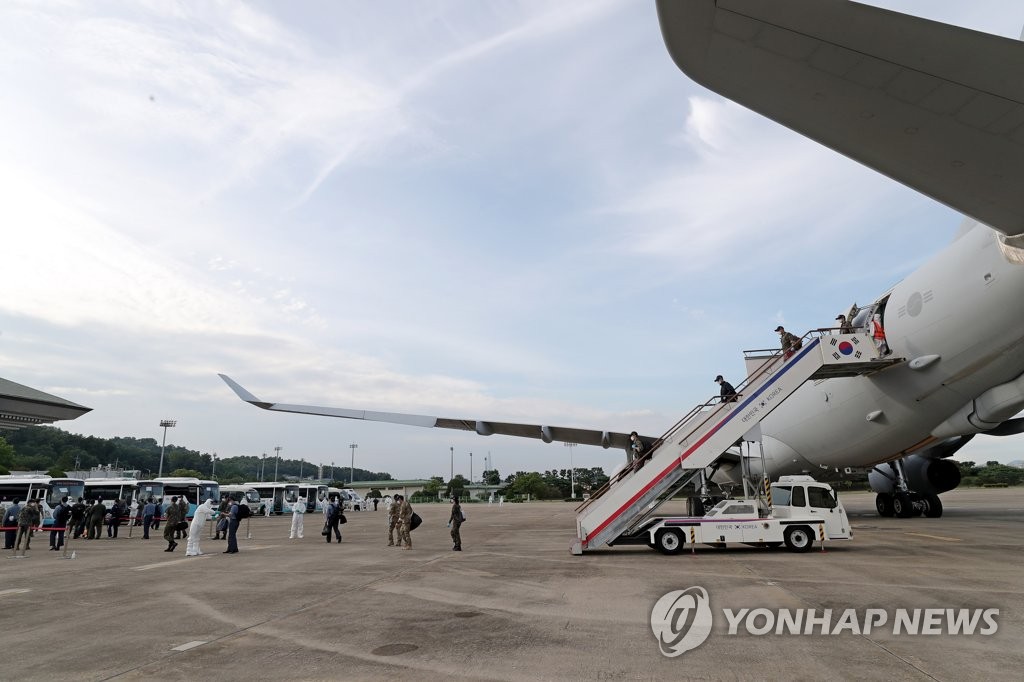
<point x="244" y="512"/>
<point x="463" y="515"/>
<point x="415" y="522"/>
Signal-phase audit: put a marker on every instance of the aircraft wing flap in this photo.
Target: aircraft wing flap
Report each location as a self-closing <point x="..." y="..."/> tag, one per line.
<point x="935" y="107"/>
<point x="548" y="434"/>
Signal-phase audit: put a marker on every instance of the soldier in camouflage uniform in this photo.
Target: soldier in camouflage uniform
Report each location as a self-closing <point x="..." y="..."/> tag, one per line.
<point x="393" y="522"/>
<point x="790" y="342"/>
<point x="405" y="519"/>
<point x="454" y="522"/>
<point x="171" y="519"/>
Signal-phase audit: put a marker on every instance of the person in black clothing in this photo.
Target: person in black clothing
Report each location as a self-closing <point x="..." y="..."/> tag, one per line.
<point x="61" y="515"/>
<point x="727" y="392"/>
<point x="333" y="518"/>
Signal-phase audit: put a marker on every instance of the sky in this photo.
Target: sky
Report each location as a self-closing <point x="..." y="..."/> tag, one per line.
<point x="517" y="211"/>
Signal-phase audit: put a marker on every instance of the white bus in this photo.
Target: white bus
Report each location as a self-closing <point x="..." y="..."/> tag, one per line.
<point x="316" y="496"/>
<point x="194" y="490"/>
<point x="45" y="489"/>
<point x="280" y="496"/>
<point x="110" y="489"/>
<point x="243" y="492"/>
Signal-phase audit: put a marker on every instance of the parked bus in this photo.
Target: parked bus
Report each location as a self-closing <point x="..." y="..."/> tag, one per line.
<point x="194" y="490"/>
<point x="110" y="489"/>
<point x="316" y="496"/>
<point x="280" y="496"/>
<point x="45" y="489"/>
<point x="243" y="492"/>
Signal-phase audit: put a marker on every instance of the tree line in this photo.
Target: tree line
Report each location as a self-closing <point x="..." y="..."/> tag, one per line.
<point x="50" y="449"/>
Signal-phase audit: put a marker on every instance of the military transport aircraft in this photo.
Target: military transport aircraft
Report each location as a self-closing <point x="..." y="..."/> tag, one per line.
<point x="936" y="107"/>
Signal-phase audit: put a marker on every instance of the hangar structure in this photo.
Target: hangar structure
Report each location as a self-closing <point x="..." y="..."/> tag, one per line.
<point x="22" y="406"/>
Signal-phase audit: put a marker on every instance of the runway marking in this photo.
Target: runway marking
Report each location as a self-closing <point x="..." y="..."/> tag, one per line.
<point x="19" y="590"/>
<point x="169" y="563"/>
<point x="188" y="645"/>
<point x="935" y="537"/>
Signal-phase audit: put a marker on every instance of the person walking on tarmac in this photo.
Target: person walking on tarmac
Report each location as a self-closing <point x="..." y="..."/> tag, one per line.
<point x="28" y="518"/>
<point x="455" y="522"/>
<point x="405" y="518"/>
<point x="171" y="519"/>
<point x="334" y="512"/>
<point x="10" y="523"/>
<point x="726" y="390"/>
<point x="393" y="521"/>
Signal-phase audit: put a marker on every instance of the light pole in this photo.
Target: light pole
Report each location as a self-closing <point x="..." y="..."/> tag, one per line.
<point x="263" y="466"/>
<point x="213" y="471"/>
<point x="352" y="465"/>
<point x="301" y="462"/>
<point x="572" y="471"/>
<point x="471" y="467"/>
<point x="167" y="424"/>
<point x="332" y="471"/>
<point x="277" y="449"/>
<point x="451" y="473"/>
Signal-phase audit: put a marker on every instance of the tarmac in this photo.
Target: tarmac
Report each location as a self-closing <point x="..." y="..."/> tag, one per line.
<point x="514" y="605"/>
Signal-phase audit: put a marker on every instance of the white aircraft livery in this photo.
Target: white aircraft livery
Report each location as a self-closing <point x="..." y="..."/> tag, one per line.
<point x="935" y="107"/>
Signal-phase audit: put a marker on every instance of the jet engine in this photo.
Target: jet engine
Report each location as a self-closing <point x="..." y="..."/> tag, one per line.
<point x="924" y="475"/>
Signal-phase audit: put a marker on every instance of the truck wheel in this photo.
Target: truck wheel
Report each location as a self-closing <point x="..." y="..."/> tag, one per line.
<point x="669" y="541"/>
<point x="933" y="506"/>
<point x="883" y="503"/>
<point x="799" y="539"/>
<point x="902" y="506"/>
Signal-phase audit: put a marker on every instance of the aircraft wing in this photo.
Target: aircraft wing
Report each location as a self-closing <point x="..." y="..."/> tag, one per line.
<point x="548" y="434"/>
<point x="935" y="107"/>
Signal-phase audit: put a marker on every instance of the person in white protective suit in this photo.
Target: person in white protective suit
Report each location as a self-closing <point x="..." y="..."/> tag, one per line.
<point x="298" y="509"/>
<point x="202" y="515"/>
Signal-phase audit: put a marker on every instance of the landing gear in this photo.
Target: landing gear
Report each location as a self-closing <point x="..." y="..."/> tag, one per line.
<point x="932" y="506"/>
<point x="798" y="539"/>
<point x="902" y="506"/>
<point x="883" y="503"/>
<point x="669" y="541"/>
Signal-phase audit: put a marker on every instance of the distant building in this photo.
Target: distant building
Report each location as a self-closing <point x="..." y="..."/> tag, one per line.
<point x="21" y="406"/>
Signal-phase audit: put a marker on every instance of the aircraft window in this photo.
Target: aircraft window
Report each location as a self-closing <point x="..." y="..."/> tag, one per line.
<point x="782" y="494"/>
<point x="820" y="498"/>
<point x="798" y="497"/>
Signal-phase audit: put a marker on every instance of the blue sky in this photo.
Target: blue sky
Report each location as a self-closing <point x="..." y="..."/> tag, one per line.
<point x="502" y="210"/>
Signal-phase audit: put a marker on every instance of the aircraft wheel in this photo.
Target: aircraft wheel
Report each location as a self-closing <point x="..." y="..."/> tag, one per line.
<point x="799" y="539"/>
<point x="902" y="506"/>
<point x="883" y="503"/>
<point x="932" y="506"/>
<point x="669" y="541"/>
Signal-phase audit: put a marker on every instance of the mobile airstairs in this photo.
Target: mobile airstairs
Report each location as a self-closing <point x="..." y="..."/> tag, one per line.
<point x="691" y="448"/>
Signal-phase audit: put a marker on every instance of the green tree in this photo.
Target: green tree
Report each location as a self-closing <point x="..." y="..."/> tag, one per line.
<point x="456" y="486"/>
<point x="187" y="473"/>
<point x="994" y="472"/>
<point x="968" y="469"/>
<point x="6" y="453"/>
<point x="56" y="472"/>
<point x="492" y="477"/>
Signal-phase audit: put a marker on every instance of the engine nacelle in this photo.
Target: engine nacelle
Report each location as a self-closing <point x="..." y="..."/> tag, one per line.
<point x="924" y="475"/>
